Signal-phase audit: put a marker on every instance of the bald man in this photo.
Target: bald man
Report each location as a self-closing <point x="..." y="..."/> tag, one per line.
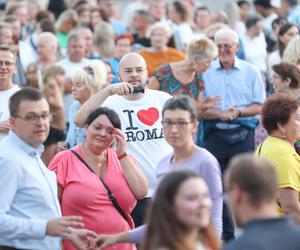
<point x="140" y="114"/>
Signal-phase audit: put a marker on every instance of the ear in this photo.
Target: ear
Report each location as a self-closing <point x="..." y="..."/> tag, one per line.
<point x="12" y="121"/>
<point x="287" y="81"/>
<point x="195" y="126"/>
<point x="281" y="128"/>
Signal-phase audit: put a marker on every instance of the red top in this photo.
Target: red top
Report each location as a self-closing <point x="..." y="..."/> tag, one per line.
<point x="84" y="195"/>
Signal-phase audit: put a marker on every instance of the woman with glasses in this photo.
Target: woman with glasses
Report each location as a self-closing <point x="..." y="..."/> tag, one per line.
<point x="179" y="125"/>
<point x="85" y="83"/>
<point x="90" y="174"/>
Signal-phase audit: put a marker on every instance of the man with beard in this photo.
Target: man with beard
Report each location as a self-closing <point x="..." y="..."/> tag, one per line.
<point x="140" y="115"/>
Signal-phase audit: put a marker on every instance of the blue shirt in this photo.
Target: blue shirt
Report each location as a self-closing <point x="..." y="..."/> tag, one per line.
<point x="114" y="62"/>
<point x="294" y="15"/>
<point x="241" y="86"/>
<point x="75" y="135"/>
<point x="28" y="197"/>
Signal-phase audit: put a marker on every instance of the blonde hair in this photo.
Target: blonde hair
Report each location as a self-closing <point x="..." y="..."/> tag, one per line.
<point x="67" y="15"/>
<point x="291" y="53"/>
<point x="104" y="38"/>
<point x="163" y="26"/>
<point x="94" y="80"/>
<point x="203" y="48"/>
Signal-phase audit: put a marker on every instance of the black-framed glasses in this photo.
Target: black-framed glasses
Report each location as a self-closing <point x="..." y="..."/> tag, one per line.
<point x="33" y="117"/>
<point x="225" y="46"/>
<point x="179" y="124"/>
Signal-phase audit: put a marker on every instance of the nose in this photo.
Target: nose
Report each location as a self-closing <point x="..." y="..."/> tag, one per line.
<point x="174" y="128"/>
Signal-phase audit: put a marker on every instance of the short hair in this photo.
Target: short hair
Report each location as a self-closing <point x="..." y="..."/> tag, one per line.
<point x="76" y="36"/>
<point x="242" y="2"/>
<point x="163" y="26"/>
<point x="13" y="7"/>
<point x="10" y="19"/>
<point x="227" y="33"/>
<point x="252" y="21"/>
<point x="277" y="109"/>
<point x="183" y="102"/>
<point x="181" y="9"/>
<point x="291" y="53"/>
<point x="263" y="3"/>
<point x="50" y="38"/>
<point x="254" y="175"/>
<point x="109" y="113"/>
<point x="143" y="14"/>
<point x="126" y="35"/>
<point x="25" y="94"/>
<point x="292" y="2"/>
<point x="104" y="38"/>
<point x="203" y="48"/>
<point x="11" y="49"/>
<point x="288" y="70"/>
<point x="52" y="71"/>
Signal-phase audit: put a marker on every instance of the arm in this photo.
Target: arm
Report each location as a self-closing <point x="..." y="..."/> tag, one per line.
<point x="252" y="110"/>
<point x="96" y="100"/>
<point x="153" y="83"/>
<point x="289" y="200"/>
<point x="135" y="178"/>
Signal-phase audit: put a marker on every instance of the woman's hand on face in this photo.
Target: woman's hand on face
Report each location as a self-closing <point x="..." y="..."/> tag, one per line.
<point x="121" y="141"/>
<point x="122" y="88"/>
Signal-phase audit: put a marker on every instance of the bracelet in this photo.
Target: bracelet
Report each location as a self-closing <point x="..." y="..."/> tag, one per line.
<point x="239" y="113"/>
<point x="121" y="156"/>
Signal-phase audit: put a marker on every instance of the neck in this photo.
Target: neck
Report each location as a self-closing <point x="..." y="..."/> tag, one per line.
<point x="181" y="154"/>
<point x="186" y="67"/>
<point x="93" y="154"/>
<point x="227" y="65"/>
<point x="265" y="211"/>
<point x="6" y="84"/>
<point x="163" y="48"/>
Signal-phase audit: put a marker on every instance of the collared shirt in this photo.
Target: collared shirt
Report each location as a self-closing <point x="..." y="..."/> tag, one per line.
<point x="239" y="87"/>
<point x="28" y="197"/>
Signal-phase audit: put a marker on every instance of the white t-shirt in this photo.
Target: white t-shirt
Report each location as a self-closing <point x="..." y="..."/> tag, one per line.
<point x="141" y="123"/>
<point x="4" y="110"/>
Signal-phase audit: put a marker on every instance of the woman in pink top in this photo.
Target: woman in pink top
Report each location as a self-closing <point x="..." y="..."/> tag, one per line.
<point x="81" y="192"/>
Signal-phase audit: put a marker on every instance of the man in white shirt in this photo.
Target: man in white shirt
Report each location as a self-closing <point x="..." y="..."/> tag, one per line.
<point x="7" y="88"/>
<point x="140" y="115"/>
<point x="30" y="214"/>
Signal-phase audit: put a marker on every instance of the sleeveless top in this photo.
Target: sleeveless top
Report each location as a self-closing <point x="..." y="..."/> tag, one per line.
<point x="168" y="83"/>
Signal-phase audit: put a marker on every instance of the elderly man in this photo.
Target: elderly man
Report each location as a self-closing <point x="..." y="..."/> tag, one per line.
<point x="230" y="126"/>
<point x="140" y="115"/>
<point x="29" y="208"/>
<point x="251" y="184"/>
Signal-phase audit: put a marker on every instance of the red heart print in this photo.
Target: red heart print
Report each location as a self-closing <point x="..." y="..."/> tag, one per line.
<point x="149" y="116"/>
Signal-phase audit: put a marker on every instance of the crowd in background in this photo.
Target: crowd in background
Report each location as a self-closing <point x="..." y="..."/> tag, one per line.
<point x="119" y="99"/>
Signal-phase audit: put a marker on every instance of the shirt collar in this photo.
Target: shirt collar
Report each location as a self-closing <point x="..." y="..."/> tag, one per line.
<point x="217" y="64"/>
<point x="33" y="152"/>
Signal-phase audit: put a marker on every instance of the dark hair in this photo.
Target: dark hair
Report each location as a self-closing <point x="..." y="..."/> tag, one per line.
<point x="181" y="10"/>
<point x="242" y="2"/>
<point x="144" y="14"/>
<point x="252" y="21"/>
<point x="25" y="94"/>
<point x="198" y="9"/>
<point x="292" y="3"/>
<point x="288" y="70"/>
<point x="164" y="229"/>
<point x="183" y="102"/>
<point x="254" y="175"/>
<point x="11" y="49"/>
<point x="109" y="113"/>
<point x="277" y="109"/>
<point x="263" y="3"/>
<point x="283" y="29"/>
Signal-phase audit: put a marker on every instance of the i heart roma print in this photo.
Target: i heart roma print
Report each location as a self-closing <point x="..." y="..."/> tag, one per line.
<point x="149" y="116"/>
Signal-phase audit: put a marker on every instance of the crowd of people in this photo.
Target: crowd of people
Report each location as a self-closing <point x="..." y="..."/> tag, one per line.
<point x="161" y="126"/>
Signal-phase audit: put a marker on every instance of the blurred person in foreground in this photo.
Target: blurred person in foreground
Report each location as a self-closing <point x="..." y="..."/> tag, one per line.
<point x="251" y="188"/>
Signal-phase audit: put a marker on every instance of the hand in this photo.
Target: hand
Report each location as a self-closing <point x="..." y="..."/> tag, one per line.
<point x="210" y="102"/>
<point x="53" y="94"/>
<point x="80" y="237"/>
<point x="121" y="141"/>
<point x="229" y="114"/>
<point x="122" y="88"/>
<point x="61" y="226"/>
<point x="5" y="126"/>
<point x="103" y="240"/>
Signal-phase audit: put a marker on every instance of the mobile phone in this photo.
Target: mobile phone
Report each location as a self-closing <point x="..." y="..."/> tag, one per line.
<point x="138" y="89"/>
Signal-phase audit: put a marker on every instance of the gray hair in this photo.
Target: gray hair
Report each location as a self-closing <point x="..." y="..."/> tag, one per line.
<point x="226" y="32"/>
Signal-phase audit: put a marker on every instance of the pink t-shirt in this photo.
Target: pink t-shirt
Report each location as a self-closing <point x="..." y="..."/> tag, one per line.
<point x="83" y="194"/>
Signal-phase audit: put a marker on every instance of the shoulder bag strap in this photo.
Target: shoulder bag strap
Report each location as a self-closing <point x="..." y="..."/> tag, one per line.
<point x="110" y="194"/>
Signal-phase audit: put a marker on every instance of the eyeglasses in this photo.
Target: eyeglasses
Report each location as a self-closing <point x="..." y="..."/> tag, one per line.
<point x="108" y="130"/>
<point x="168" y="124"/>
<point x="6" y="63"/>
<point x="33" y="117"/>
<point x="225" y="46"/>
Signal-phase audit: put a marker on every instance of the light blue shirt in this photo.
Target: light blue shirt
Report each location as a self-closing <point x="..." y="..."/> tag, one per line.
<point x="28" y="197"/>
<point x="239" y="87"/>
<point x="75" y="135"/>
<point x="294" y="15"/>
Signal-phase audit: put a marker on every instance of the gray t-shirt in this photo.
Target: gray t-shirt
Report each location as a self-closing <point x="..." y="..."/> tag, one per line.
<point x="206" y="165"/>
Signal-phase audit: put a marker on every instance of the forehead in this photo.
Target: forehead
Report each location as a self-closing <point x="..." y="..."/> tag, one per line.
<point x="102" y="119"/>
<point x="133" y="61"/>
<point x="223" y="39"/>
<point x="6" y="54"/>
<point x="27" y="106"/>
<point x="176" y="114"/>
<point x="189" y="185"/>
<point x="79" y="41"/>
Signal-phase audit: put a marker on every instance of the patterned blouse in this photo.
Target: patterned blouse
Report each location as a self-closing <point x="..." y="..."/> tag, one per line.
<point x="168" y="83"/>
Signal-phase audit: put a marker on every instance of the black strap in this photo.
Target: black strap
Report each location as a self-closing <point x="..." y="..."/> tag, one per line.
<point x="259" y="150"/>
<point x="110" y="194"/>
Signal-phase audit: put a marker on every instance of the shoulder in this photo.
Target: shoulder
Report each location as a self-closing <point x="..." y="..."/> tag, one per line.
<point x="159" y="94"/>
